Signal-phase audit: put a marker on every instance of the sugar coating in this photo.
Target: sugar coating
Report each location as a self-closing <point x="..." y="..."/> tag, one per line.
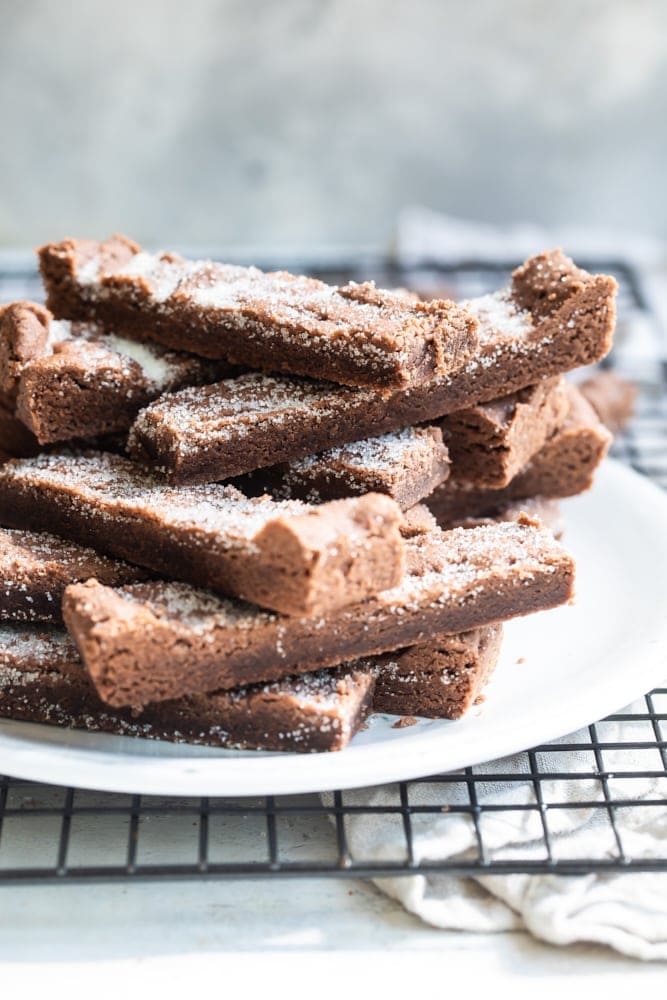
<point x="234" y="407"/>
<point x="499" y="316"/>
<point x="18" y="545"/>
<point x="199" y="610"/>
<point x="381" y="455"/>
<point x="37" y="566"/>
<point x="24" y="652"/>
<point x="159" y="367"/>
<point x="60" y="330"/>
<point x="43" y="647"/>
<point x="321" y="690"/>
<point x="163" y="273"/>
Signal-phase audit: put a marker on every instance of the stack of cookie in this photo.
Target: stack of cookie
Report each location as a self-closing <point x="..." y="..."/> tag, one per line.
<point x="247" y="509"/>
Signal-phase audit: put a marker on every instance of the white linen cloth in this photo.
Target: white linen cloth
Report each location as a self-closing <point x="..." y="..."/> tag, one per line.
<point x="627" y="912"/>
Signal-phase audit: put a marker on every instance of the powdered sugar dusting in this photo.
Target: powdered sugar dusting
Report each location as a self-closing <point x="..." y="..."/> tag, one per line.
<point x="157" y="366"/>
<point x="60" y="330"/>
<point x="380" y="455"/>
<point x="37" y="564"/>
<point x="323" y="691"/>
<point x="88" y="273"/>
<point x="162" y="273"/>
<point x="198" y="418"/>
<point x="457" y="565"/>
<point x="315" y="711"/>
<point x="35" y="648"/>
<point x="200" y="611"/>
<point x="499" y="315"/>
<point x="112" y="358"/>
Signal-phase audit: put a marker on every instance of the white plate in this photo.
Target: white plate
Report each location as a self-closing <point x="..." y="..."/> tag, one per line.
<point x="580" y="663"/>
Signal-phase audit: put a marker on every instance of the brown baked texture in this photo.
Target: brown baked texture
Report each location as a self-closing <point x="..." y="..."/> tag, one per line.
<point x="356" y="334"/>
<point x="35" y="568"/>
<point x="491" y="442"/>
<point x="15" y="438"/>
<point x="440" y="679"/>
<point x="612" y="397"/>
<point x="406" y="465"/>
<point x="43" y="680"/>
<point x="16" y="441"/>
<point x="75" y="380"/>
<point x="291" y="556"/>
<point x="235" y="426"/>
<point x="155" y="641"/>
<point x="563" y="467"/>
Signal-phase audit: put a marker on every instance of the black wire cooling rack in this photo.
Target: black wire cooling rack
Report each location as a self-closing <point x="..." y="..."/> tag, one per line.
<point x="63" y="834"/>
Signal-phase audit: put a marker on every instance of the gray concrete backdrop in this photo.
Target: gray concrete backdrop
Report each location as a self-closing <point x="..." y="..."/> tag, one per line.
<point x="305" y="122"/>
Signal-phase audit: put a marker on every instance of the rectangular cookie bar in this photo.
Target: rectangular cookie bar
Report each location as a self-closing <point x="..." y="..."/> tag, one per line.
<point x="491" y="442"/>
<point x="441" y="679"/>
<point x="563" y="467"/>
<point x="406" y="465"/>
<point x="553" y="318"/>
<point x="43" y="680"/>
<point x="16" y="441"/>
<point x="287" y="555"/>
<point x="154" y="641"/>
<point x="35" y="568"/>
<point x="355" y="334"/>
<point x="73" y="380"/>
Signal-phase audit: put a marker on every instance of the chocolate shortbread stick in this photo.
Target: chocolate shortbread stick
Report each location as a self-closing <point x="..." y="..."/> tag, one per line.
<point x="440" y="679"/>
<point x="16" y="441"/>
<point x="35" y="568"/>
<point x="553" y="318"/>
<point x="154" y="641"/>
<point x="356" y="334"/>
<point x="406" y="465"/>
<point x="43" y="680"/>
<point x="74" y="380"/>
<point x="563" y="467"/>
<point x="287" y="555"/>
<point x="491" y="442"/>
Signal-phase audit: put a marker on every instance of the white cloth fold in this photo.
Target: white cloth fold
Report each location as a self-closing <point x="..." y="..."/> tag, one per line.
<point x="626" y="911"/>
